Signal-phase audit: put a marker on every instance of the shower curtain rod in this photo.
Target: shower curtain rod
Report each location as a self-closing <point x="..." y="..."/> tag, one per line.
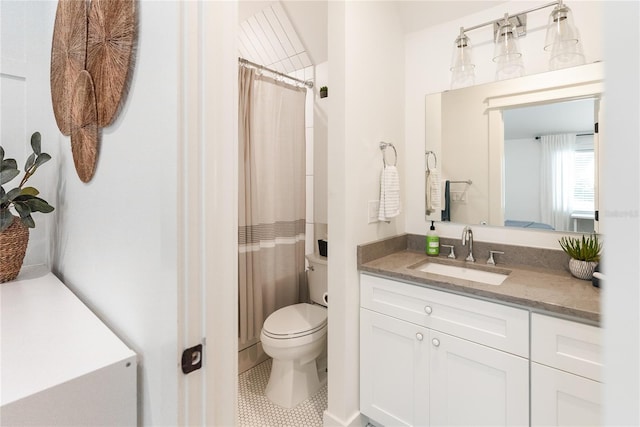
<point x="307" y="83"/>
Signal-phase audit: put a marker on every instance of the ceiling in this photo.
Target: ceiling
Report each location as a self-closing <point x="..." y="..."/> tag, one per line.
<point x="309" y="17"/>
<point x="562" y="117"/>
<point x="418" y="15"/>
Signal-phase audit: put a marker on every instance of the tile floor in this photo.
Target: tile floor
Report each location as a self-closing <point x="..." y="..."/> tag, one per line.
<point x="254" y="409"/>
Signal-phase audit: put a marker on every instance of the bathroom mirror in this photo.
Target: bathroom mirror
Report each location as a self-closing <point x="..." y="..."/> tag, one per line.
<point x="483" y="138"/>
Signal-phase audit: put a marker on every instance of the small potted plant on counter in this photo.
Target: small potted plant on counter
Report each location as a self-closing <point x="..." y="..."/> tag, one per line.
<point x="324" y="91"/>
<point x="14" y="230"/>
<point x="584" y="253"/>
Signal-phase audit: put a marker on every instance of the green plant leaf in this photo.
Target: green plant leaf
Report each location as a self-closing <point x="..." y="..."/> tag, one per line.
<point x="30" y="161"/>
<point x="6" y="218"/>
<point x="8" y="164"/>
<point x="23" y="209"/>
<point x="584" y="248"/>
<point x="1" y="154"/>
<point x="11" y="195"/>
<point x="7" y="175"/>
<point x="35" y="142"/>
<point x="28" y="221"/>
<point x="29" y="191"/>
<point x="37" y="204"/>
<point x="42" y="158"/>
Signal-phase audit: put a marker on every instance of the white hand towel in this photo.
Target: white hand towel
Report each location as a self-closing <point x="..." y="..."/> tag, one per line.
<point x="389" y="194"/>
<point x="427" y="192"/>
<point x="434" y="190"/>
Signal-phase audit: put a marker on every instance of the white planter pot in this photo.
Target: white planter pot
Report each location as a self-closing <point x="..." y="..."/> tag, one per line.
<point x="582" y="269"/>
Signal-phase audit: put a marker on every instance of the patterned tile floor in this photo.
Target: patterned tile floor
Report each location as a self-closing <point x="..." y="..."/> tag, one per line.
<point x="254" y="409"/>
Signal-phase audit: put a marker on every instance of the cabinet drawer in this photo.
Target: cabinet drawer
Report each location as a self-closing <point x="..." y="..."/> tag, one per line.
<point x="566" y="345"/>
<point x="494" y="325"/>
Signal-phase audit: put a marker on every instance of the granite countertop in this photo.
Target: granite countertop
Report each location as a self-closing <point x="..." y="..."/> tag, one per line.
<point x="551" y="291"/>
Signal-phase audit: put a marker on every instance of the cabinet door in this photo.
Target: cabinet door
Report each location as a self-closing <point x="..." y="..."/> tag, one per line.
<point x="474" y="385"/>
<point x="394" y="369"/>
<point x="559" y="398"/>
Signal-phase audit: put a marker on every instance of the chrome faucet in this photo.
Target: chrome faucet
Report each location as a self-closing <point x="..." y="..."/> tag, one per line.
<point x="467" y="234"/>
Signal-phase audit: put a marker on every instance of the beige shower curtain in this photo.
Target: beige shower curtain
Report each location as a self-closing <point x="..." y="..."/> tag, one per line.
<point x="271" y="199"/>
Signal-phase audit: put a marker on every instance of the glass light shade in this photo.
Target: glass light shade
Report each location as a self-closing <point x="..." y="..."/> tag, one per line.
<point x="560" y="27"/>
<point x="507" y="55"/>
<point x="462" y="66"/>
<point x="563" y="39"/>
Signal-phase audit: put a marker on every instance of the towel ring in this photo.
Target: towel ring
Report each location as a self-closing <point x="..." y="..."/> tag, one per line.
<point x="428" y="154"/>
<point x="383" y="147"/>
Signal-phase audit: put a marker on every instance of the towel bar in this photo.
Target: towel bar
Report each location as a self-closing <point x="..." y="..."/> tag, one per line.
<point x="383" y="147"/>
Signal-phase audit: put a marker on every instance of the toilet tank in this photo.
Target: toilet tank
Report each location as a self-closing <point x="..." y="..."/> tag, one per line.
<point x="317" y="278"/>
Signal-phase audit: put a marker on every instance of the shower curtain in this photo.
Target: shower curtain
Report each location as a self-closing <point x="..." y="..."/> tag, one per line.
<point x="271" y="199"/>
<point x="557" y="180"/>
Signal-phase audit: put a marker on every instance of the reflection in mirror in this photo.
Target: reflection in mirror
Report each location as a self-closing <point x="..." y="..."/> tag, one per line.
<point x="549" y="166"/>
<point x="484" y="137"/>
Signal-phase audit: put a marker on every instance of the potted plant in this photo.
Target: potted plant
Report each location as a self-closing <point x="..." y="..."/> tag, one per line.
<point x="324" y="91"/>
<point x="584" y="253"/>
<point x="14" y="230"/>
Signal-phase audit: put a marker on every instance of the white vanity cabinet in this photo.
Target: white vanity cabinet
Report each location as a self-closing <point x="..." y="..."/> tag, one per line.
<point x="433" y="358"/>
<point x="566" y="364"/>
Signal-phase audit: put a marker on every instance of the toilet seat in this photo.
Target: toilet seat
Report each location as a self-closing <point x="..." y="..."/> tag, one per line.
<point x="295" y="321"/>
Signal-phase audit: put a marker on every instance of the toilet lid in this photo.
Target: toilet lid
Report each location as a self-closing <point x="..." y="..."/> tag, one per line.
<point x="294" y="320"/>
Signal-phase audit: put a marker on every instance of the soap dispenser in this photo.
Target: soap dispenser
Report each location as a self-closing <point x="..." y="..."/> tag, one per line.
<point x="433" y="241"/>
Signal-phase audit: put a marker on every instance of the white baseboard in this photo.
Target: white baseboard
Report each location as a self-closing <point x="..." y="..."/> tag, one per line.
<point x="356" y="420"/>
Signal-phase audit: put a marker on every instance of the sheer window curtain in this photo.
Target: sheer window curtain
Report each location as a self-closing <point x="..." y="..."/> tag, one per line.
<point x="271" y="199"/>
<point x="557" y="179"/>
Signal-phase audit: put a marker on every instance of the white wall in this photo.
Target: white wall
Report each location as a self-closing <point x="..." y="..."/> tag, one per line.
<point x="427" y="61"/>
<point x="116" y="240"/>
<point x="621" y="296"/>
<point x="25" y="105"/>
<point x="320" y="141"/>
<point x="522" y="179"/>
<point x="366" y="106"/>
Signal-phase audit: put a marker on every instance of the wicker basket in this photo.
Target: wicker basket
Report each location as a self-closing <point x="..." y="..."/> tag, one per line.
<point x="13" y="246"/>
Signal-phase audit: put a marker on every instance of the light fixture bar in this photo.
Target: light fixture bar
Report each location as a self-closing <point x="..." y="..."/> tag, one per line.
<point x="533" y="9"/>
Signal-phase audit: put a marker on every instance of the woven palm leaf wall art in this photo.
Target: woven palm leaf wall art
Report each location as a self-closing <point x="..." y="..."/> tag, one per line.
<point x="68" y="57"/>
<point x="92" y="57"/>
<point x="84" y="127"/>
<point x="111" y="35"/>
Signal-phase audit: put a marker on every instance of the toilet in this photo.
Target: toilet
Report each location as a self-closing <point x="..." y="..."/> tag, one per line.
<point x="295" y="336"/>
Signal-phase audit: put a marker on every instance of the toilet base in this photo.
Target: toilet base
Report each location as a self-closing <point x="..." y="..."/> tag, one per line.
<point x="291" y="382"/>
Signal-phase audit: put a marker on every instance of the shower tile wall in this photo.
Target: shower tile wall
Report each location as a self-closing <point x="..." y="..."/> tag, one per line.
<point x="310" y="242"/>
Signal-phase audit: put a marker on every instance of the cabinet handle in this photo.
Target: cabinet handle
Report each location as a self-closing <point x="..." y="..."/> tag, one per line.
<point x="428" y="309"/>
<point x="436" y="342"/>
<point x="419" y="336"/>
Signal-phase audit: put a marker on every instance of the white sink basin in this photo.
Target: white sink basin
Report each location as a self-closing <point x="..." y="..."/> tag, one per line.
<point x="486" y="277"/>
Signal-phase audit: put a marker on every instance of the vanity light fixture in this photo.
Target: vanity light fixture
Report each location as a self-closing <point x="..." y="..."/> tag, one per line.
<point x="562" y="41"/>
<point x="462" y="66"/>
<point x="507" y="55"/>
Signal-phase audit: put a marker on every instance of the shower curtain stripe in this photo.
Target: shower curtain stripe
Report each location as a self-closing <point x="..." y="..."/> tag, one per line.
<point x="259" y="232"/>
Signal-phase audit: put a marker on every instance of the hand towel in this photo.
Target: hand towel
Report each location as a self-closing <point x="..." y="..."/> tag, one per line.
<point x="432" y="190"/>
<point x="446" y="212"/>
<point x="389" y="194"/>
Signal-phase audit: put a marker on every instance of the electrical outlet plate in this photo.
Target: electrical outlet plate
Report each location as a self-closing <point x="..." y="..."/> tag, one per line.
<point x="373" y="208"/>
<point x="459" y="196"/>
